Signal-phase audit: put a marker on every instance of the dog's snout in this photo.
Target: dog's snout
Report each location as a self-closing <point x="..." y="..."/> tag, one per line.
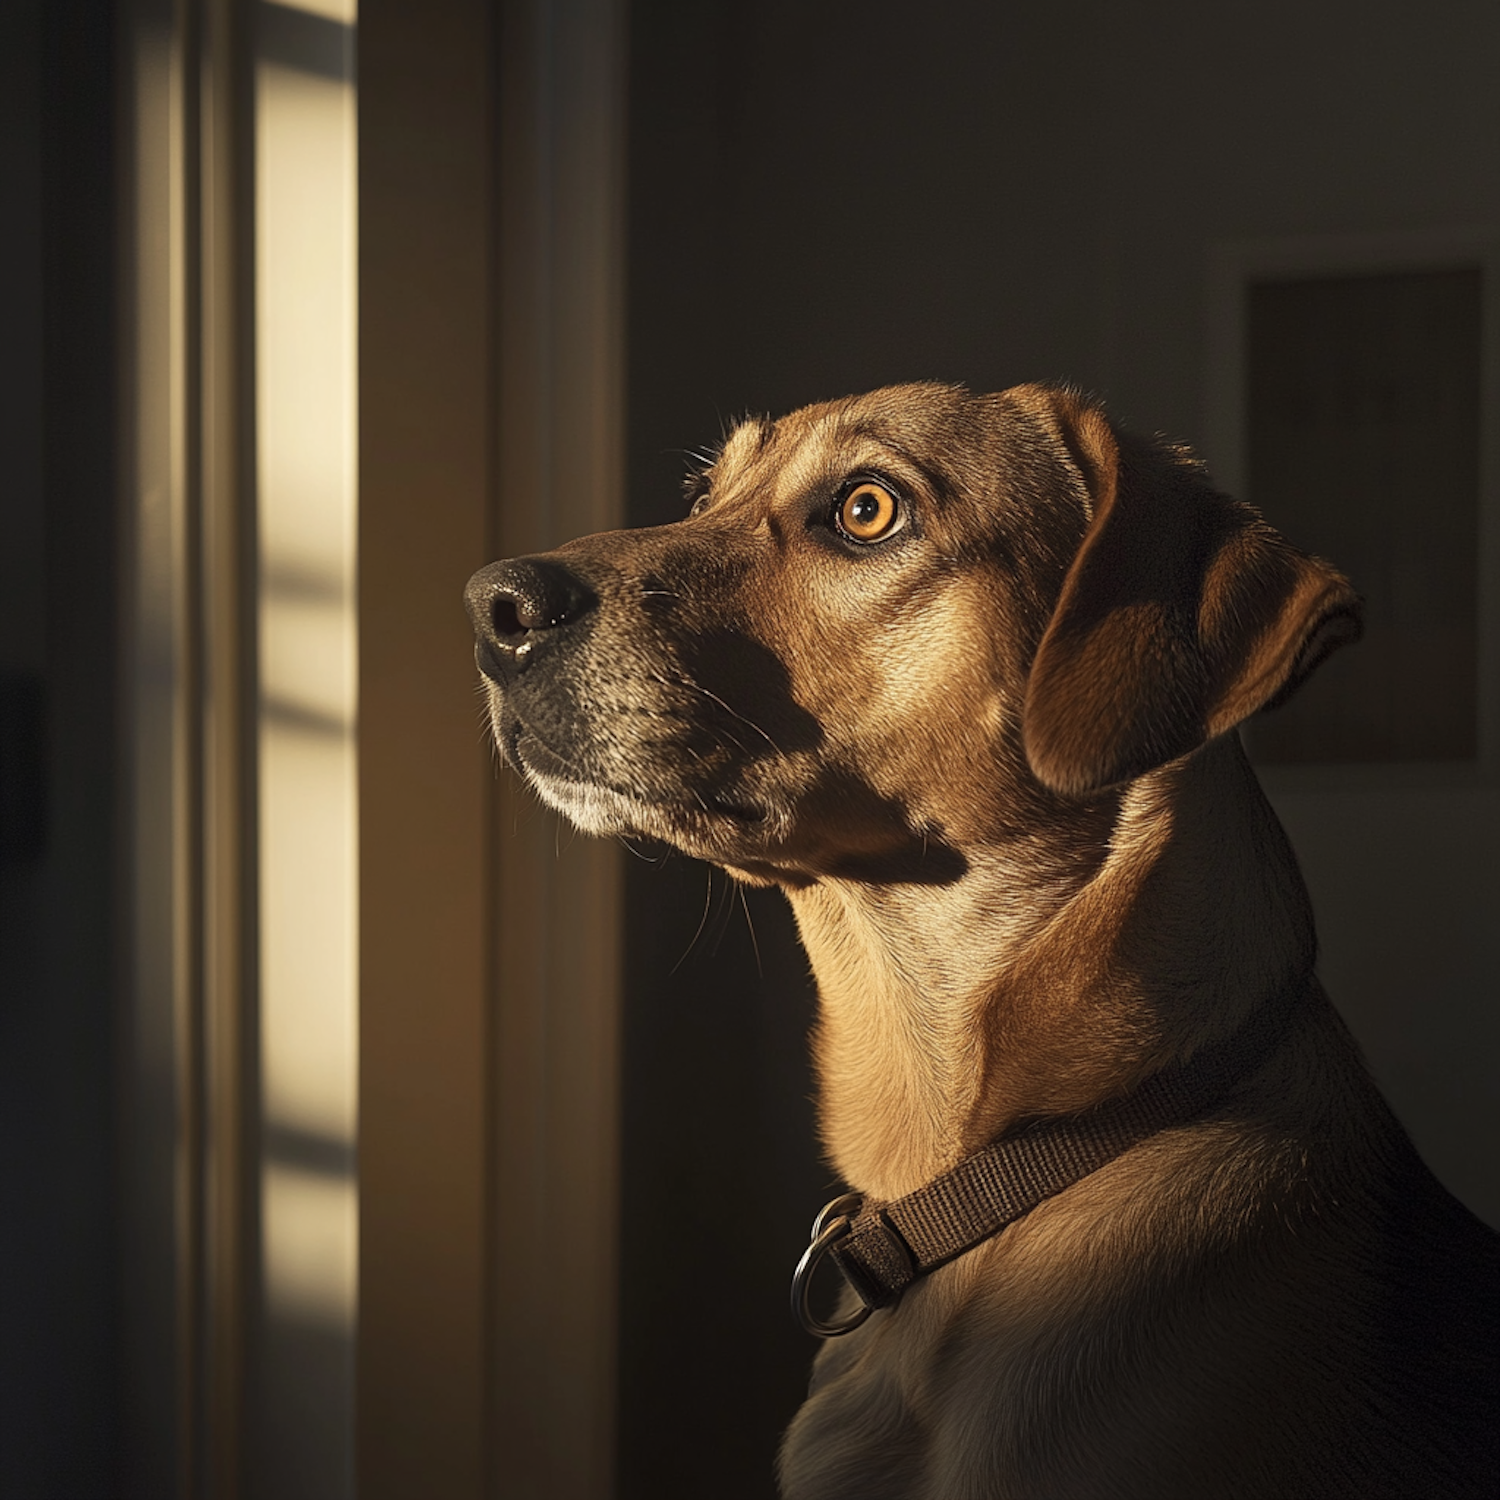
<point x="517" y="605"/>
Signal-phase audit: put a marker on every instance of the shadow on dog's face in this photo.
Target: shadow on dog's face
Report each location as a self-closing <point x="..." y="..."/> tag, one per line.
<point x="820" y="671"/>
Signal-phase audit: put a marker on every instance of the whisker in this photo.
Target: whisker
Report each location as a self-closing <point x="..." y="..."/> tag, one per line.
<point x="750" y="927"/>
<point x="697" y="687"/>
<point x="725" y="917"/>
<point x="708" y="901"/>
<point x="623" y="839"/>
<point x="714" y="697"/>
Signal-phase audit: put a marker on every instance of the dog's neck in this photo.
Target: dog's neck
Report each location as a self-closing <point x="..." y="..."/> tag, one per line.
<point x="949" y="1012"/>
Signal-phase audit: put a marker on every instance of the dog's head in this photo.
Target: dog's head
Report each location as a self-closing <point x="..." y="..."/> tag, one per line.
<point x="895" y="628"/>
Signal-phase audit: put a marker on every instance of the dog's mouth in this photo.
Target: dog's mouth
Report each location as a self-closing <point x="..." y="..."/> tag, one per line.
<point x="746" y="814"/>
<point x="530" y="754"/>
<point x="649" y="811"/>
<point x="764" y="839"/>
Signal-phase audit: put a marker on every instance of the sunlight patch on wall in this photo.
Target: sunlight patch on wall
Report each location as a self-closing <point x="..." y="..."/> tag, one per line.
<point x="310" y="1248"/>
<point x="305" y="377"/>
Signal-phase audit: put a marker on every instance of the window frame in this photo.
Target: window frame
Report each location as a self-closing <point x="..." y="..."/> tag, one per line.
<point x="1233" y="267"/>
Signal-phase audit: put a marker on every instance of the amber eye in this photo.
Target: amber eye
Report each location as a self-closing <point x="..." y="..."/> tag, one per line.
<point x="867" y="512"/>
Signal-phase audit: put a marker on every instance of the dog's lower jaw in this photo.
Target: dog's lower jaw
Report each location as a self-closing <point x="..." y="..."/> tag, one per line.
<point x="591" y="809"/>
<point x="737" y="837"/>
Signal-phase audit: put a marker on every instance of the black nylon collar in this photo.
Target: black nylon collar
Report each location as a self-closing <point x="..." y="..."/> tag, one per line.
<point x="881" y="1248"/>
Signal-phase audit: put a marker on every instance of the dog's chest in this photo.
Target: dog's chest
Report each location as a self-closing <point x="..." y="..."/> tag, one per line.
<point x="930" y="1400"/>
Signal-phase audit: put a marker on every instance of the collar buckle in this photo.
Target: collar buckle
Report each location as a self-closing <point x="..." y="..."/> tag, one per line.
<point x="831" y="1225"/>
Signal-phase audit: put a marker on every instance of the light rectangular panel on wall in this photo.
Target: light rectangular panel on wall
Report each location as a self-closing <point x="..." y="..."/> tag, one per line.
<point x="1362" y="444"/>
<point x="307" y="793"/>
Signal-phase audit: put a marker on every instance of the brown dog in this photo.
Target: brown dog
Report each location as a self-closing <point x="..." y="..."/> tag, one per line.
<point x="960" y="674"/>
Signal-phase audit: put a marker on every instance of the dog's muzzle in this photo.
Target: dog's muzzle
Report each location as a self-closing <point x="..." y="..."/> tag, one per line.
<point x="520" y="608"/>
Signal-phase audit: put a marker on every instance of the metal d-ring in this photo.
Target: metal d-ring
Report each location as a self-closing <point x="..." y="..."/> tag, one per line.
<point x="831" y="1225"/>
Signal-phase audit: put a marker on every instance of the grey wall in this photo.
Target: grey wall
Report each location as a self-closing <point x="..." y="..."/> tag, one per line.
<point x="829" y="197"/>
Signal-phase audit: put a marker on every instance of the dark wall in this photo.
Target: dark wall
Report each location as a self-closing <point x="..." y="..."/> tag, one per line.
<point x="830" y="197"/>
<point x="826" y="198"/>
<point x="57" y="653"/>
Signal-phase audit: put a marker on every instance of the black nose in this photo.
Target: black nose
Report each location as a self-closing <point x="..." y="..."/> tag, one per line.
<point x="520" y="606"/>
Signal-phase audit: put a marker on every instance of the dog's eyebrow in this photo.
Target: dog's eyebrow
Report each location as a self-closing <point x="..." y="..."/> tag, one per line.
<point x="935" y="481"/>
<point x="755" y="431"/>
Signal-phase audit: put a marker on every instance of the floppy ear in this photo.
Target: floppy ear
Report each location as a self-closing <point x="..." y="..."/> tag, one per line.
<point x="1182" y="614"/>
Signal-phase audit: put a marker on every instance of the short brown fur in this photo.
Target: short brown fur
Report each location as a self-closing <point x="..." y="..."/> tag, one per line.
<point x="991" y="760"/>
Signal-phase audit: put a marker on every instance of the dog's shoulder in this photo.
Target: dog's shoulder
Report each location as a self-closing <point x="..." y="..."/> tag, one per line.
<point x="1278" y="1299"/>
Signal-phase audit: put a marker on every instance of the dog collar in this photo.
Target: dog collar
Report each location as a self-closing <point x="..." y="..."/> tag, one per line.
<point x="881" y="1248"/>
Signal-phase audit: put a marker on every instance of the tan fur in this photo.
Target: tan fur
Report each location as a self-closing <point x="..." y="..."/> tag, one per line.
<point x="991" y="762"/>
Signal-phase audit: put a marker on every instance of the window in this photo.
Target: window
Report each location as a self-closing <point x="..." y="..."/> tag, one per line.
<point x="1362" y="443"/>
<point x="1351" y="396"/>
